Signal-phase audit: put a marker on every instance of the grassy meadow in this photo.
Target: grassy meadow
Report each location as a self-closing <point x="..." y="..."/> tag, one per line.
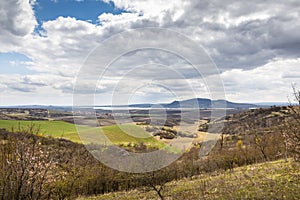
<point x="56" y="129"/>
<point x="60" y="129"/>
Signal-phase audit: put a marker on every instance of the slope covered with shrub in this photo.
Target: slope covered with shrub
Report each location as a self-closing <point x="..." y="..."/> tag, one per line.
<point x="270" y="180"/>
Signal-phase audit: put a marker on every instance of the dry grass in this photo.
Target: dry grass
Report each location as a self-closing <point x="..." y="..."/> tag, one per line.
<point x="271" y="180"/>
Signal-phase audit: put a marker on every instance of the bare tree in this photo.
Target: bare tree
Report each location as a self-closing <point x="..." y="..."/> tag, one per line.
<point x="291" y="128"/>
<point x="157" y="182"/>
<point x="25" y="167"/>
<point x="261" y="142"/>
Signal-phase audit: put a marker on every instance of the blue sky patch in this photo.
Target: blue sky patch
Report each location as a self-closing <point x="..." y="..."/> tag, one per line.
<point x="86" y="10"/>
<point x="14" y="63"/>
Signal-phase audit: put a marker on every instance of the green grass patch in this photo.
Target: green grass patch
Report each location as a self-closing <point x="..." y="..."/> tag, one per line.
<point x="125" y="134"/>
<point x="60" y="129"/>
<point x="56" y="129"/>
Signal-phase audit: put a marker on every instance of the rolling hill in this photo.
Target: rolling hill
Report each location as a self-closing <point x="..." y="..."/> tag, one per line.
<point x="201" y="103"/>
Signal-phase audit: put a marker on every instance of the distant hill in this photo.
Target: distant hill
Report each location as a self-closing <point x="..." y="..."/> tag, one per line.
<point x="190" y="103"/>
<point x="59" y="108"/>
<point x="200" y="103"/>
<point x="208" y="103"/>
<point x="268" y="104"/>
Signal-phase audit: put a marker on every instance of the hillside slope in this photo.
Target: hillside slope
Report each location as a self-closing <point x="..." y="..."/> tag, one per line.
<point x="270" y="180"/>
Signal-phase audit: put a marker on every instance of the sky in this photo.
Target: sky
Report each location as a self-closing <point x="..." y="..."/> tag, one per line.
<point x="44" y="45"/>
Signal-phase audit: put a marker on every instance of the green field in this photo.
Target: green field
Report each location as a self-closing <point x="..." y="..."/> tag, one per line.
<point x="57" y="129"/>
<point x="117" y="134"/>
<point x="61" y="129"/>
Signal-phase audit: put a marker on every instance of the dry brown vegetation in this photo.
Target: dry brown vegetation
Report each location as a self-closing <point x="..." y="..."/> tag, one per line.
<point x="34" y="167"/>
<point x="269" y="180"/>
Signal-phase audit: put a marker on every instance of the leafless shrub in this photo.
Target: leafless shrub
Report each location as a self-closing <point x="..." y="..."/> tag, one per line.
<point x="291" y="128"/>
<point x="25" y="167"/>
